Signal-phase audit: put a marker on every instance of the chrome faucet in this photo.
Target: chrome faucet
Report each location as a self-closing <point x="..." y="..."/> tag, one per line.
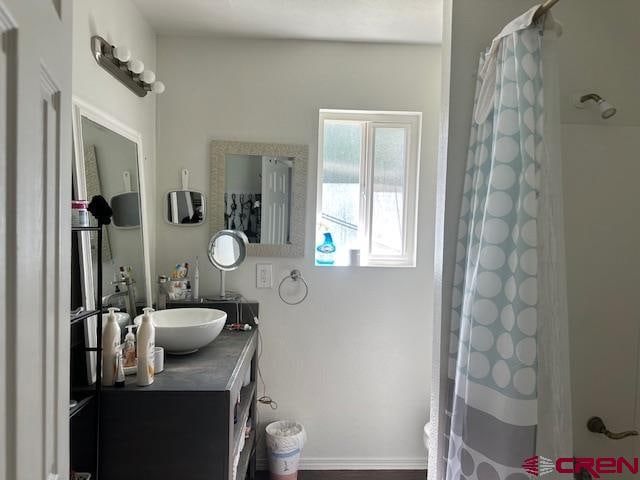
<point x="129" y="291"/>
<point x="161" y="304"/>
<point x="107" y="299"/>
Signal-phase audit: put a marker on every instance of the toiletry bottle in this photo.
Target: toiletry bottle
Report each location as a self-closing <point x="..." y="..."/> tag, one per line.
<point x="119" y="380"/>
<point x="110" y="344"/>
<point x="326" y="251"/>
<point x="195" y="285"/>
<point x="146" y="349"/>
<point x="129" y="350"/>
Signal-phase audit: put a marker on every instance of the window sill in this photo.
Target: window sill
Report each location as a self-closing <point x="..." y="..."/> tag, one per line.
<point x="370" y="265"/>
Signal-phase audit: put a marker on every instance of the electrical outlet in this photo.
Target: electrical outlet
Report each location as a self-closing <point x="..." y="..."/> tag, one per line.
<point x="264" y="275"/>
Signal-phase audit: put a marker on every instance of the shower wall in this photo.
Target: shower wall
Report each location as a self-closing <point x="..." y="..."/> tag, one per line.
<point x="601" y="189"/>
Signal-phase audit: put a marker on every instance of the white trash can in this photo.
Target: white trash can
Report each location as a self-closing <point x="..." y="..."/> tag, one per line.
<point x="285" y="440"/>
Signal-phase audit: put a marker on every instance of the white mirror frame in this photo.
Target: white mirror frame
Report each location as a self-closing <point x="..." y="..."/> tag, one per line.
<point x="84" y="109"/>
<point x="300" y="154"/>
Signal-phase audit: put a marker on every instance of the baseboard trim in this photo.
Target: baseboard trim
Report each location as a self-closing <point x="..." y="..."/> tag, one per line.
<point x="307" y="463"/>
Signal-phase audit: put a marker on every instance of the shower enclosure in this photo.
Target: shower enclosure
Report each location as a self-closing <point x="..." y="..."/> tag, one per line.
<point x="599" y="130"/>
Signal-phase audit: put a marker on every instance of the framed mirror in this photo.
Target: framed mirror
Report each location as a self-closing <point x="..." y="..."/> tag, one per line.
<point x="108" y="161"/>
<point x="259" y="189"/>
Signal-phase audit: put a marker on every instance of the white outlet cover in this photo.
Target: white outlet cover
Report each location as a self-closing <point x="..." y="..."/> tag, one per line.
<point x="264" y="275"/>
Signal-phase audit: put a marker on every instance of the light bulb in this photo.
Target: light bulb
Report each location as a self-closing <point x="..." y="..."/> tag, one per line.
<point x="135" y="66"/>
<point x="122" y="53"/>
<point x="157" y="87"/>
<point x="148" y="76"/>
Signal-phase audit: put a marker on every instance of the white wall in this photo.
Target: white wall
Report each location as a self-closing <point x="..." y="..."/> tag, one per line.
<point x="598" y="155"/>
<point x="352" y="362"/>
<point x="119" y="22"/>
<point x="594" y="57"/>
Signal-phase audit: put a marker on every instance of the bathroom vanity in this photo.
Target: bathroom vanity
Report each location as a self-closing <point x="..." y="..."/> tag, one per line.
<point x="186" y="425"/>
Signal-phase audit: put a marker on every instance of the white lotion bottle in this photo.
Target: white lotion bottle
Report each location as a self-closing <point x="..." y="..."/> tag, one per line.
<point x="146" y="349"/>
<point x="110" y="345"/>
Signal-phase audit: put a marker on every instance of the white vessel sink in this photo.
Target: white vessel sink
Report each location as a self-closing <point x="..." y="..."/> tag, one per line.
<point x="185" y="330"/>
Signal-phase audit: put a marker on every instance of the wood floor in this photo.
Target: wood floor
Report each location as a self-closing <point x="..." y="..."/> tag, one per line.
<point x="355" y="475"/>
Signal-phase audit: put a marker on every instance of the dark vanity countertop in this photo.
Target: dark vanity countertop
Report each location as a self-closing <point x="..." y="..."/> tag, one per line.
<point x="213" y="368"/>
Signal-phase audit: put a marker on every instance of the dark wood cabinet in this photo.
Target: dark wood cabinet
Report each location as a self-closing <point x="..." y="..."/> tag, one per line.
<point x="186" y="425"/>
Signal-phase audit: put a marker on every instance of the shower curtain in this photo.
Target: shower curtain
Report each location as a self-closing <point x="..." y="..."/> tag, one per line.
<point x="508" y="366"/>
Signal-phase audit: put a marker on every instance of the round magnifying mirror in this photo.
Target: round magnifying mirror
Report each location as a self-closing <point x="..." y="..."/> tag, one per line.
<point x="227" y="251"/>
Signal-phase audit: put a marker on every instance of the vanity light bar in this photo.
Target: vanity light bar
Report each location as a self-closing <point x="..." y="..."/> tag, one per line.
<point x="130" y="72"/>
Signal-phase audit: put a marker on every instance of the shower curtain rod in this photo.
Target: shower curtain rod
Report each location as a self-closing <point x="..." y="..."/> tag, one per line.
<point x="544" y="8"/>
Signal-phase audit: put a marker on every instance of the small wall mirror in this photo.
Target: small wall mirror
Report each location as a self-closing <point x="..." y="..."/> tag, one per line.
<point x="259" y="189"/>
<point x="227" y="250"/>
<point x="185" y="207"/>
<point x="126" y="210"/>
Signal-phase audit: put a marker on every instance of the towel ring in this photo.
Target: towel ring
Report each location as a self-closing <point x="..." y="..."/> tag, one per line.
<point x="295" y="275"/>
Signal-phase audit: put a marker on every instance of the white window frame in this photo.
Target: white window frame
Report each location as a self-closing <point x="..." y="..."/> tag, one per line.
<point x="412" y="123"/>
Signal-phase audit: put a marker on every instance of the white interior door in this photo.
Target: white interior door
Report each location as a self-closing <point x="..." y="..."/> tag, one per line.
<point x="275" y="200"/>
<point x="35" y="180"/>
<point x="601" y="174"/>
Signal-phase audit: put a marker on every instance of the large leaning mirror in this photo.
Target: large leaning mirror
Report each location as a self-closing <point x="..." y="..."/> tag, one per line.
<point x="108" y="161"/>
<point x="259" y="189"/>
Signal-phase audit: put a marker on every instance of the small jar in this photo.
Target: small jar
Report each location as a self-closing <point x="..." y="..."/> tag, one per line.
<point x="79" y="213"/>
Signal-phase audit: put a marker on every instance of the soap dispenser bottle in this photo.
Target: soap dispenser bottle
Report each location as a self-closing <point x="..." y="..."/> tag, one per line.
<point x="129" y="350"/>
<point x="110" y="345"/>
<point x="146" y="349"/>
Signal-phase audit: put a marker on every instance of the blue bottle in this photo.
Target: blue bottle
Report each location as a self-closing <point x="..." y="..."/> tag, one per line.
<point x="326" y="251"/>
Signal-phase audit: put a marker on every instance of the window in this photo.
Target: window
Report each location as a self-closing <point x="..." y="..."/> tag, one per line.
<point x="367" y="188"/>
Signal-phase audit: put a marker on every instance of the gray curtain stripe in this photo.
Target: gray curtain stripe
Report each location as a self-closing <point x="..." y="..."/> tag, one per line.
<point x="502" y="442"/>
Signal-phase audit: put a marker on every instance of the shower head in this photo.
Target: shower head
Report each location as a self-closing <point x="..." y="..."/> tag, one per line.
<point x="607" y="110"/>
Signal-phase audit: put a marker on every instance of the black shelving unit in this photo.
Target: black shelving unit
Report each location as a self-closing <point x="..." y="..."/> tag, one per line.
<point x="80" y="406"/>
<point x="93" y="395"/>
